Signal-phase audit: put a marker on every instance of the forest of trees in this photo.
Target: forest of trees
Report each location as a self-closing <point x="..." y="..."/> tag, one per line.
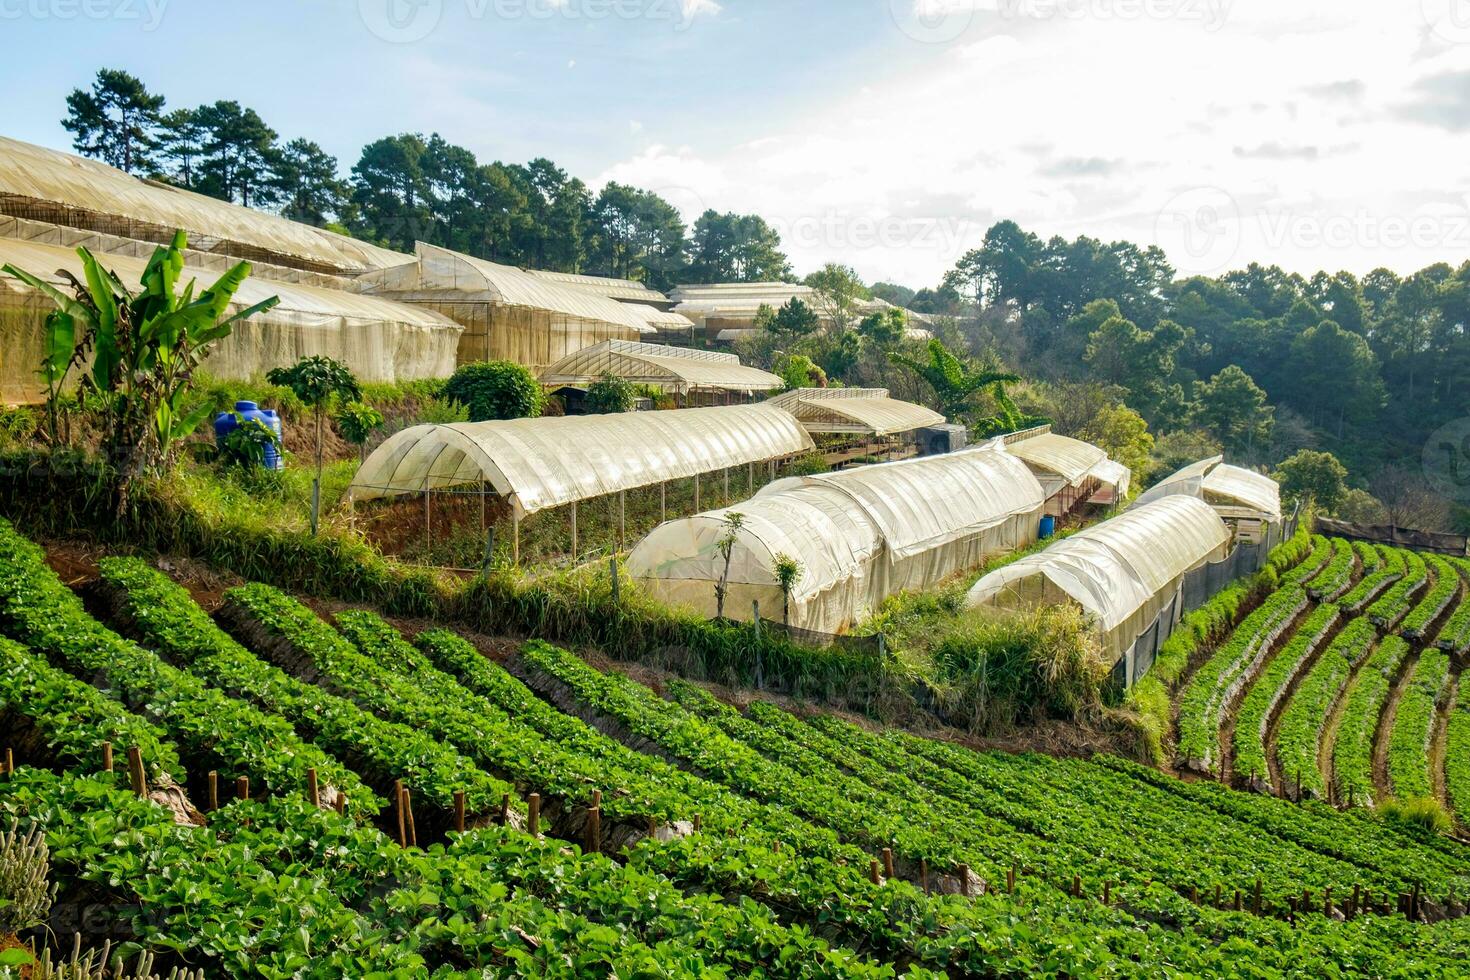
<point x="1259" y="363"/>
<point x="408" y="188"/>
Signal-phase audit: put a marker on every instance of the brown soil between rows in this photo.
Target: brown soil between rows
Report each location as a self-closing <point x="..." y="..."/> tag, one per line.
<point x="1382" y="788"/>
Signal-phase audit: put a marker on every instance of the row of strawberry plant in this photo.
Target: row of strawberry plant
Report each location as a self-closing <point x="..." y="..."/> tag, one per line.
<point x="1385" y="849"/>
<point x="741" y="850"/>
<point x="181" y="890"/>
<point x="1337" y="576"/>
<point x="212" y="730"/>
<point x="1390" y="570"/>
<point x="1457" y="755"/>
<point x="1413" y="727"/>
<point x="1270" y="688"/>
<point x="1203" y="703"/>
<point x="1444" y="589"/>
<point x="1191" y="845"/>
<point x="1396" y="603"/>
<point x="1352" y="753"/>
<point x="1311" y="565"/>
<point x="71" y="722"/>
<point x="1368" y="556"/>
<point x="1455" y="634"/>
<point x="1299" y="735"/>
<point x="165" y="616"/>
<point x="1143" y="832"/>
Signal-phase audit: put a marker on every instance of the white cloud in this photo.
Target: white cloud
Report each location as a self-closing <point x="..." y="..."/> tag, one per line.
<point x="1092" y="121"/>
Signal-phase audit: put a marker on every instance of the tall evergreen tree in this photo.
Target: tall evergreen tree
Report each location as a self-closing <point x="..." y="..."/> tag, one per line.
<point x="115" y="121"/>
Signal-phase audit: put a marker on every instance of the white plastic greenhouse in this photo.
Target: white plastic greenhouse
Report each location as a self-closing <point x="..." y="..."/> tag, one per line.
<point x="680" y="370"/>
<point x="1121" y="572"/>
<point x="1246" y="500"/>
<point x="546" y="462"/>
<point x="379" y="340"/>
<point x="860" y="535"/>
<point x="868" y="411"/>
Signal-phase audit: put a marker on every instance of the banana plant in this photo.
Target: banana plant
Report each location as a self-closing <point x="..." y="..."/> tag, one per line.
<point x="955" y="384"/>
<point x="145" y="347"/>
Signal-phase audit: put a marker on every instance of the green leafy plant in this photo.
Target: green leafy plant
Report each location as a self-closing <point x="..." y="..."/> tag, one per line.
<point x="316" y="381"/>
<point x="25" y="892"/>
<point x="732" y="522"/>
<point x="955" y="384"/>
<point x="248" y="443"/>
<point x="496" y="390"/>
<point x="357" y="422"/>
<point x="788" y="572"/>
<point x="609" y="395"/>
<point x="145" y="347"/>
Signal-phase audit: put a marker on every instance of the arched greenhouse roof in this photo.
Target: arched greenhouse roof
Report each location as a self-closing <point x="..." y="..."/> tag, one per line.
<point x="865" y="410"/>
<point x="680" y="367"/>
<point x="1114" y="569"/>
<point x="1219" y="483"/>
<point x="546" y="462"/>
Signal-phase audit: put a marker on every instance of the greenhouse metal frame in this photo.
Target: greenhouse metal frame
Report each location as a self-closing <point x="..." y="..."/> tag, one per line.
<point x="678" y="370"/>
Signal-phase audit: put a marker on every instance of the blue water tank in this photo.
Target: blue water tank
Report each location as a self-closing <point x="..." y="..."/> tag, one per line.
<point x="1048" y="526"/>
<point x="227" y="422"/>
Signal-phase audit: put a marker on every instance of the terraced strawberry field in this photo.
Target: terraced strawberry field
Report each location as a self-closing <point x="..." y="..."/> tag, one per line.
<point x="676" y="836"/>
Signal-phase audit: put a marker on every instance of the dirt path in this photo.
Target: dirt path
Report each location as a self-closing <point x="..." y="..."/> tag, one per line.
<point x="1382" y="790"/>
<point x="1232" y="707"/>
<point x="1273" y="721"/>
<point x="1437" y="737"/>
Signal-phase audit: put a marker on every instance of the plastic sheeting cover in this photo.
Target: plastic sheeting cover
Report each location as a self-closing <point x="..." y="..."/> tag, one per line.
<point x="869" y="410"/>
<point x="918" y="504"/>
<point x="380" y="340"/>
<point x="656" y="364"/>
<point x="1117" y="571"/>
<point x="860" y="535"/>
<point x="618" y="289"/>
<point x="1114" y="474"/>
<point x="34" y="172"/>
<point x="1219" y="482"/>
<point x="1070" y="459"/>
<point x="546" y="462"/>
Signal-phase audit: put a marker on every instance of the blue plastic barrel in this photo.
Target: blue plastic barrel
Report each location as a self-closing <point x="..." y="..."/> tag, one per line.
<point x="1048" y="526"/>
<point x="227" y="422"/>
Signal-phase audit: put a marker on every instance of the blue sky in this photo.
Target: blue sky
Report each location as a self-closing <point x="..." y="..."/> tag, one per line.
<point x="883" y="133"/>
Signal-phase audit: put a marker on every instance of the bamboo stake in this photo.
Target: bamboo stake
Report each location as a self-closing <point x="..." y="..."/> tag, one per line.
<point x="107" y="757"/>
<point x="594" y="831"/>
<point x="213" y="789"/>
<point x="873" y="872"/>
<point x="413" y="834"/>
<point x="888" y="862"/>
<point x="398" y="814"/>
<point x="342" y="804"/>
<point x="313" y="790"/>
<point x="533" y="807"/>
<point x="242" y="787"/>
<point x="136" y="774"/>
<point x="698" y="823"/>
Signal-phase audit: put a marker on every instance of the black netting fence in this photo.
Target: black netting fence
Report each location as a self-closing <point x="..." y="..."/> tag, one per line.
<point x="1198" y="587"/>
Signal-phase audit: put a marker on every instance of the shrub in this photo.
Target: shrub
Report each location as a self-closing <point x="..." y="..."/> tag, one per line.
<point x="1421" y="813"/>
<point x="496" y="390"/>
<point x="609" y="395"/>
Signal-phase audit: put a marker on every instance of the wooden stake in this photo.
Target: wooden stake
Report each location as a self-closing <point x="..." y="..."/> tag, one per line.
<point x="1011" y="880"/>
<point x="594" y="831"/>
<point x="1217" y="894"/>
<point x="342" y="804"/>
<point x="504" y="808"/>
<point x="398" y="814"/>
<point x="107" y="757"/>
<point x="888" y="862"/>
<point x="1108" y="893"/>
<point x="533" y="807"/>
<point x="1194" y="894"/>
<point x="1357" y="898"/>
<point x="924" y="875"/>
<point x="242" y="787"/>
<point x="136" y="774"/>
<point x="1076" y="886"/>
<point x="965" y="880"/>
<point x="698" y="823"/>
<point x="413" y="834"/>
<point x="459" y="810"/>
<point x="313" y="791"/>
<point x="596" y="798"/>
<point x="213" y="789"/>
<point x="873" y="872"/>
<point x="776" y="847"/>
<point x="1238" y="904"/>
<point x="9" y="761"/>
<point x="652" y="828"/>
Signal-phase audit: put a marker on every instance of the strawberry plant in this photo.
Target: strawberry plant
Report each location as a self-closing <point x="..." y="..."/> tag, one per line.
<point x="1352" y="753"/>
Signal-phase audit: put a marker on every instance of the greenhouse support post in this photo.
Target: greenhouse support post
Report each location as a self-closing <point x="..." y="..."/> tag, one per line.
<point x="663" y="501"/>
<point x="696" y="493"/>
